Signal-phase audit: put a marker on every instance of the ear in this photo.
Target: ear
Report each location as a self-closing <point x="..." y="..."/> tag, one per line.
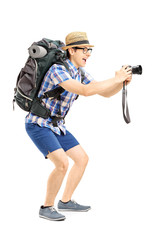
<point x="71" y="51"/>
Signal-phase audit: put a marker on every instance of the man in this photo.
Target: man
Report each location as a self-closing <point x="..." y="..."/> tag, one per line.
<point x="57" y="143"/>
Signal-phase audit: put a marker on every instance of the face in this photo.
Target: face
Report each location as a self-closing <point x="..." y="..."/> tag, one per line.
<point x="79" y="57"/>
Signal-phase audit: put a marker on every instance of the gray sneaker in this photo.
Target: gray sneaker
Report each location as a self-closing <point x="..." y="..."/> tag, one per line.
<point x="50" y="213"/>
<point x="72" y="206"/>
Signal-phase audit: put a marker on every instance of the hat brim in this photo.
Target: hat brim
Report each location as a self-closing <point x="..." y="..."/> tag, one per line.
<point x="80" y="45"/>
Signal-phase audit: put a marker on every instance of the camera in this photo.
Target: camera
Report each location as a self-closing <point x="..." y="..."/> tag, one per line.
<point x="136" y="69"/>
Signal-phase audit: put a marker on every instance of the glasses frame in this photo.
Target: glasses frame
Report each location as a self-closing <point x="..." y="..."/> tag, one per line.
<point x="85" y="49"/>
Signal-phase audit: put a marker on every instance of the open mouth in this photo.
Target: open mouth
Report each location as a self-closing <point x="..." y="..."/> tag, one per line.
<point x="84" y="60"/>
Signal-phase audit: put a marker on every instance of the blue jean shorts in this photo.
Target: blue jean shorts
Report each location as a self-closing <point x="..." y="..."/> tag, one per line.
<point x="47" y="141"/>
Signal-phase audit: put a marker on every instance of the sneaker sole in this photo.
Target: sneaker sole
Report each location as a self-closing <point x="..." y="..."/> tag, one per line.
<point x="73" y="210"/>
<point x="51" y="219"/>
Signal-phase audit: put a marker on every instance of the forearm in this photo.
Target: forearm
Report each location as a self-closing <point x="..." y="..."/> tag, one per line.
<point x="112" y="86"/>
<point x="112" y="91"/>
<point x="105" y="88"/>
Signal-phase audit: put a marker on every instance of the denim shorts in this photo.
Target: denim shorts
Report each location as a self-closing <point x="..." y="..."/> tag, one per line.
<point x="47" y="141"/>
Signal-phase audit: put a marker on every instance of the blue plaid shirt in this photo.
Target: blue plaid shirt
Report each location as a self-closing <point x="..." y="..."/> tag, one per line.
<point x="55" y="75"/>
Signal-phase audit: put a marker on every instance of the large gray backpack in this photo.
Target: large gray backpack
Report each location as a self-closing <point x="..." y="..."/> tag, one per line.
<point x="42" y="55"/>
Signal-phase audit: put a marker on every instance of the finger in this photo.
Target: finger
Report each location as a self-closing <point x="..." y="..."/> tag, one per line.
<point x="129" y="73"/>
<point x="125" y="67"/>
<point x="129" y="70"/>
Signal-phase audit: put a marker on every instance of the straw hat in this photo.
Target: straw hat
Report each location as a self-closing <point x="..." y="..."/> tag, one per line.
<point x="76" y="39"/>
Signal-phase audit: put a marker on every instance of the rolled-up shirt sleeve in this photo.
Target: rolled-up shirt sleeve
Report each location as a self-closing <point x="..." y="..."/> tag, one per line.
<point x="87" y="78"/>
<point x="59" y="74"/>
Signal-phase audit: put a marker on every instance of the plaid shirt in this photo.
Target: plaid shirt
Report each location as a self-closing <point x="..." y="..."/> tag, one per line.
<point x="55" y="75"/>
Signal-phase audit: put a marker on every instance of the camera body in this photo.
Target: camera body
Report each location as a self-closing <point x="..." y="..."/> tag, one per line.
<point x="136" y="69"/>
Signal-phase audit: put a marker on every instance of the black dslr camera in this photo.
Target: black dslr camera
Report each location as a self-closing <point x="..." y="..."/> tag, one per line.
<point x="136" y="69"/>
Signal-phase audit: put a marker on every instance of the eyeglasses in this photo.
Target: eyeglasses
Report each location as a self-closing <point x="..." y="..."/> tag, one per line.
<point x="85" y="50"/>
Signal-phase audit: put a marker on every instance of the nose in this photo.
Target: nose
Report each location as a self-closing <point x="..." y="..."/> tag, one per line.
<point x="88" y="54"/>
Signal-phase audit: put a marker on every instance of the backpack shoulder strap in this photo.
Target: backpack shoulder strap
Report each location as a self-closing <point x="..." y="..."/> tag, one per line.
<point x="82" y="75"/>
<point x="55" y="93"/>
<point x="82" y="79"/>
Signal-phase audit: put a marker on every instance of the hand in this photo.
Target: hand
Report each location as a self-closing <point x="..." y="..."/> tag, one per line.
<point x="124" y="74"/>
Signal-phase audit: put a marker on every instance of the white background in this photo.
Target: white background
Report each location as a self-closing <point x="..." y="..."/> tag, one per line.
<point x="122" y="179"/>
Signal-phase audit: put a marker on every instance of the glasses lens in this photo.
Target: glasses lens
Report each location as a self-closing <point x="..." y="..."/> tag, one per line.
<point x="86" y="50"/>
<point x="90" y="50"/>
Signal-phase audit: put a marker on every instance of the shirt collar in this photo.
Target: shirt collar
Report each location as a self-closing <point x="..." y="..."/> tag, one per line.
<point x="74" y="70"/>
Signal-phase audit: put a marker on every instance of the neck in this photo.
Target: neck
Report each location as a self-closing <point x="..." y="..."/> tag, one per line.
<point x="74" y="63"/>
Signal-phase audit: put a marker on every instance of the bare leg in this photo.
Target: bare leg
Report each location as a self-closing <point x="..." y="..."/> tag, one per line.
<point x="80" y="158"/>
<point x="60" y="160"/>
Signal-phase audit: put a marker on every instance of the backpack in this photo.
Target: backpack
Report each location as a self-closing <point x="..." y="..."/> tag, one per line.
<point x="42" y="55"/>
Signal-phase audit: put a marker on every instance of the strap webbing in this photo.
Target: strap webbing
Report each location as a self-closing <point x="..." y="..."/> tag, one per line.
<point x="125" y="104"/>
<point x="55" y="93"/>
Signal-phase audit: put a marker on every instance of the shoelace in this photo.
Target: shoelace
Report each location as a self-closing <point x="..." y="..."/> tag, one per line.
<point x="74" y="201"/>
<point x="52" y="209"/>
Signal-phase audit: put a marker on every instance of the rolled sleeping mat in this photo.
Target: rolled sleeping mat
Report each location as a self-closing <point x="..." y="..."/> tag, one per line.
<point x="36" y="51"/>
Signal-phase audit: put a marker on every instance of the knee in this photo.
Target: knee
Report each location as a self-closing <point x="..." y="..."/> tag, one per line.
<point x="63" y="166"/>
<point x="84" y="160"/>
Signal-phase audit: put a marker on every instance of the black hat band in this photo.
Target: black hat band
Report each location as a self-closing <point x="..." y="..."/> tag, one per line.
<point x="78" y="43"/>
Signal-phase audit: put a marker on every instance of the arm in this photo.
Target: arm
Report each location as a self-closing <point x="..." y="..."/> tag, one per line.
<point x="104" y="88"/>
<point x="110" y="91"/>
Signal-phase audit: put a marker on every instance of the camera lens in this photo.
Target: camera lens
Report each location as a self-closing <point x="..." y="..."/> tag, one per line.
<point x="137" y="69"/>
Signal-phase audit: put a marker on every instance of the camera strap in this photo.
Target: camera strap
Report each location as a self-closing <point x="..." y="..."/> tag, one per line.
<point x="125" y="104"/>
